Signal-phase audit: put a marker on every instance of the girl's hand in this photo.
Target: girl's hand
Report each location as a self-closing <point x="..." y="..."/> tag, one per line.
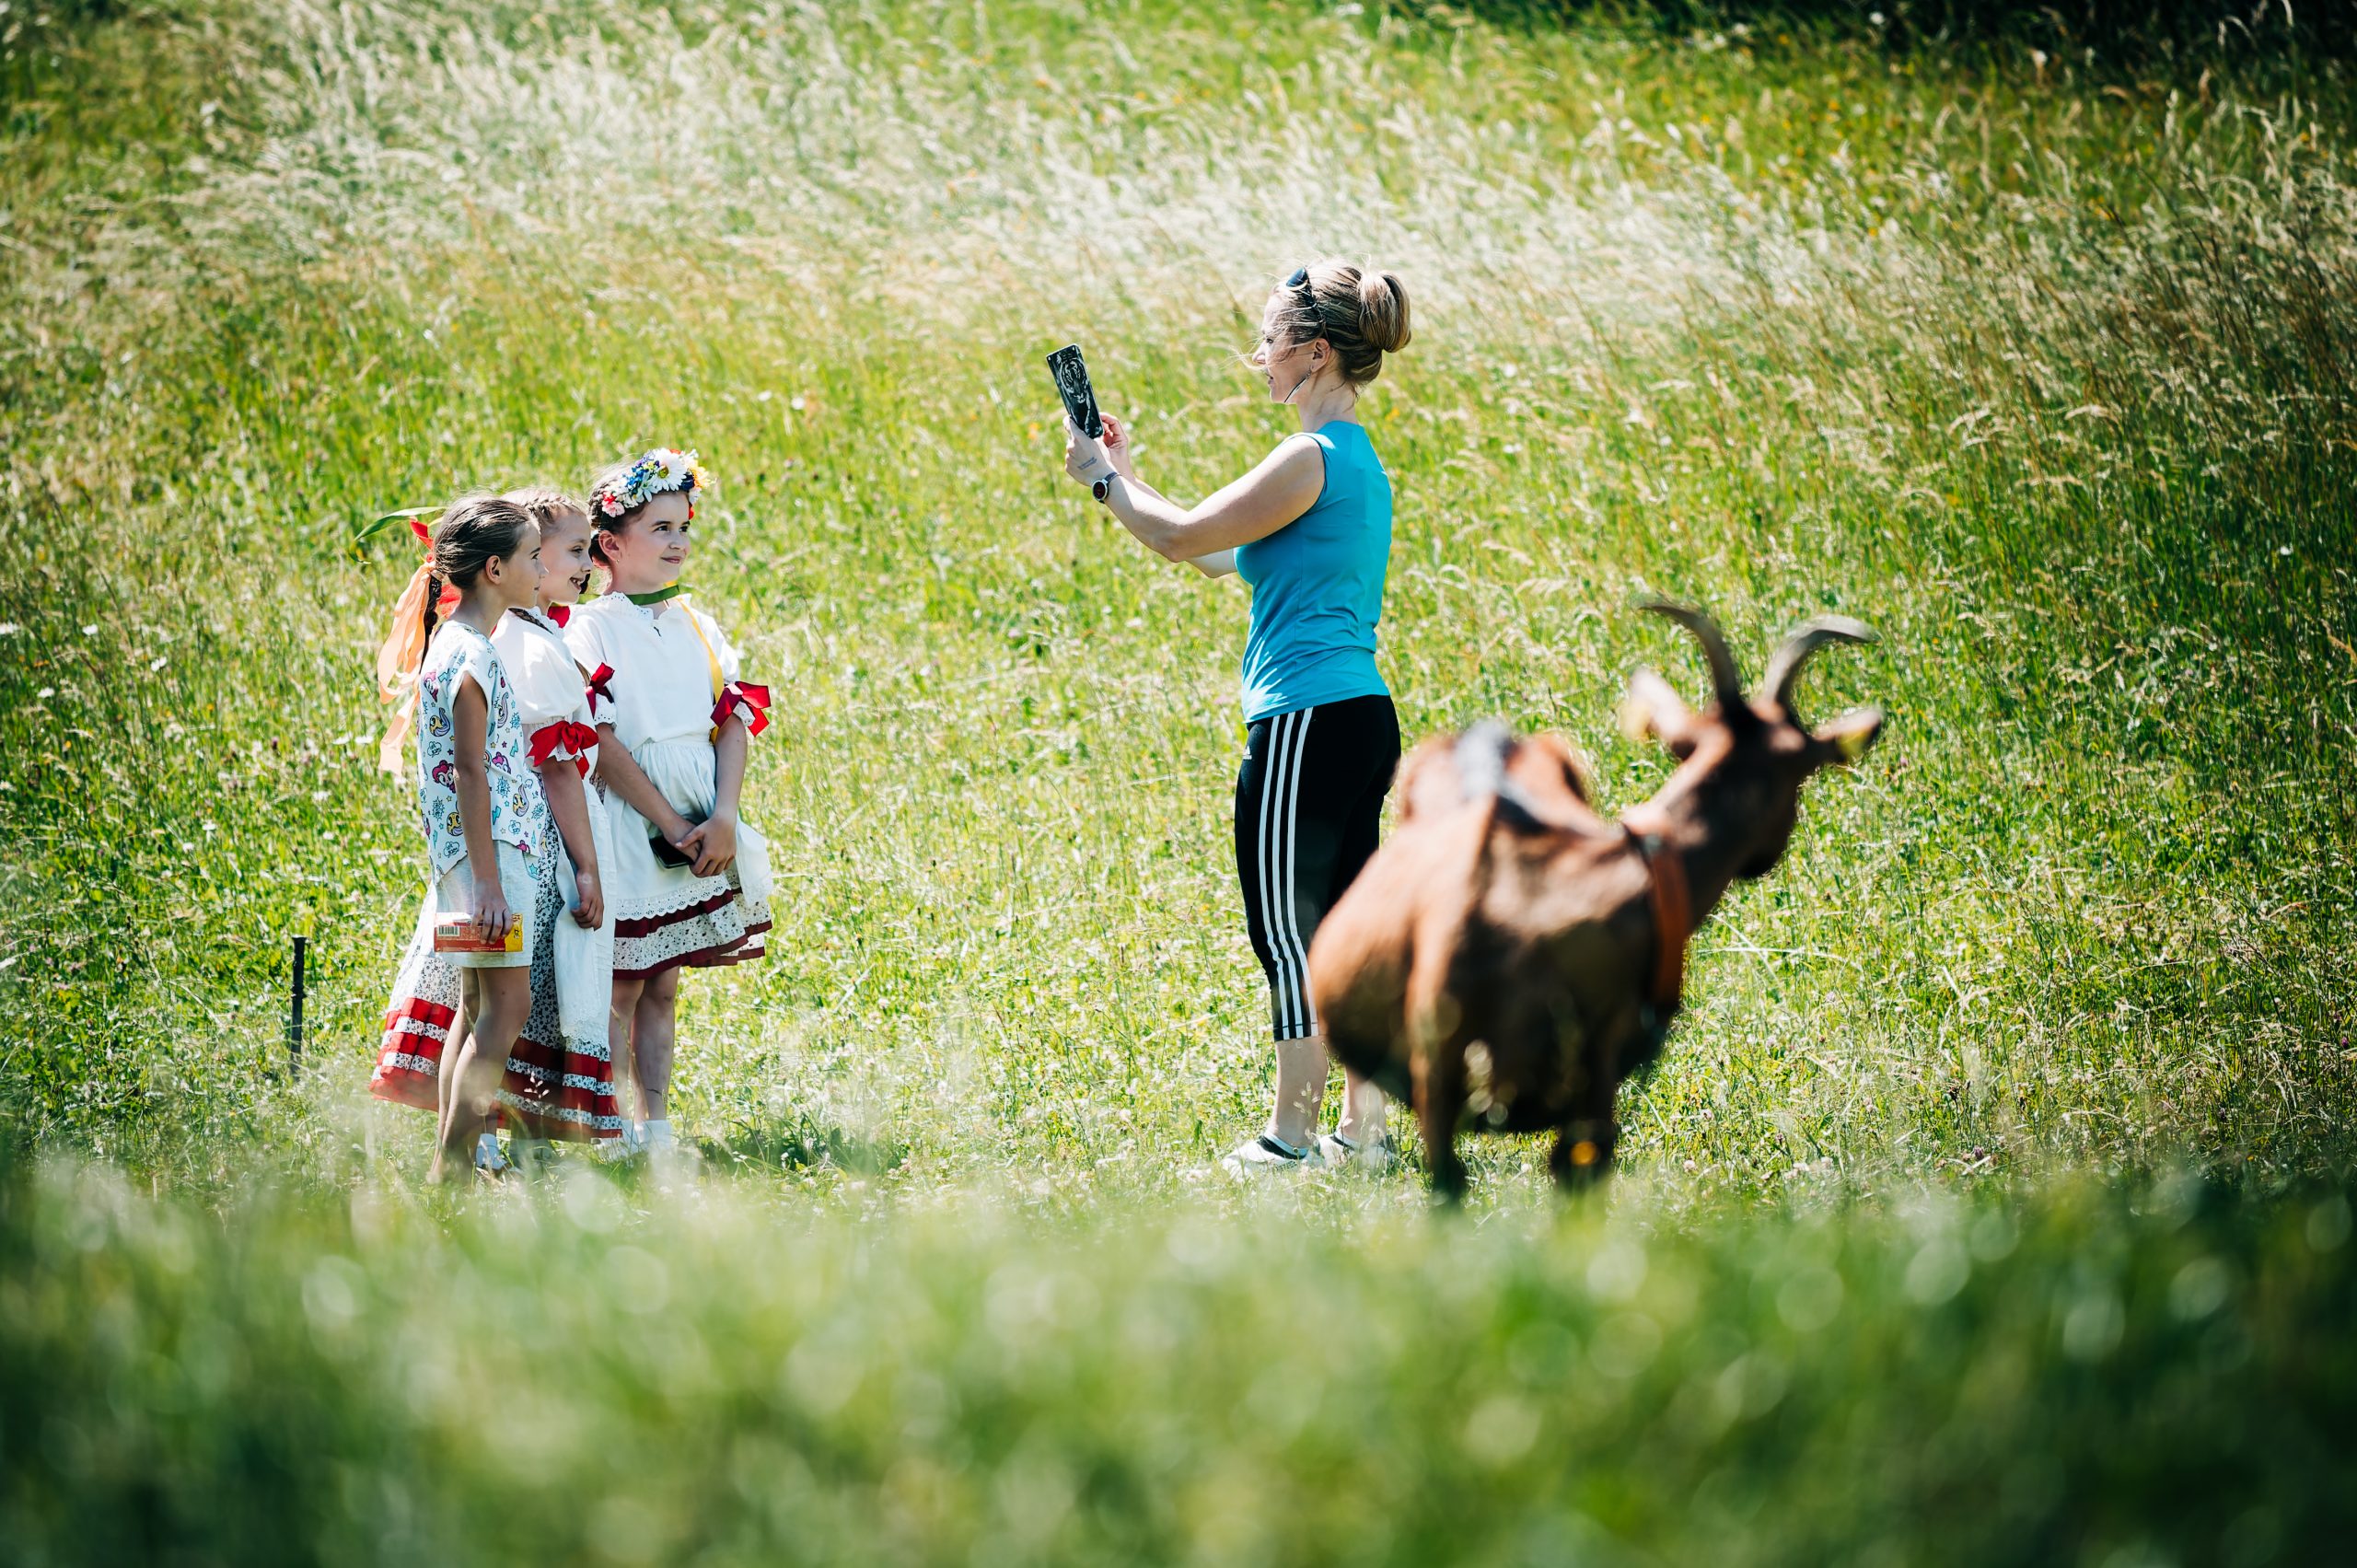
<point x="1085" y="456"/>
<point x="1118" y="451"/>
<point x="713" y="843"/>
<point x="487" y="910"/>
<point x="591" y="912"/>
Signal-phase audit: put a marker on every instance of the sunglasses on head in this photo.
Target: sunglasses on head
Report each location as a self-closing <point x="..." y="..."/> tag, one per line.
<point x="1300" y="280"/>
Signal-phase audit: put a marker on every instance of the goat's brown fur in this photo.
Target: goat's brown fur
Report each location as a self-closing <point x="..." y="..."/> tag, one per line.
<point x="1493" y="963"/>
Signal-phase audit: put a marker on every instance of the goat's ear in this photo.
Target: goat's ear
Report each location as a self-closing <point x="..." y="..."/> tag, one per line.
<point x="1845" y="739"/>
<point x="1428" y="781"/>
<point x="1548" y="764"/>
<point x="1652" y="708"/>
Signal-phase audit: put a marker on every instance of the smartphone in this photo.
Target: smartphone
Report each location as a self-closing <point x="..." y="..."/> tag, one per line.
<point x="664" y="850"/>
<point x="1072" y="385"/>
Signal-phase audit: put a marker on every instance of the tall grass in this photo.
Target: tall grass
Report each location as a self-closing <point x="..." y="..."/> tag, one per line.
<point x="2044" y="373"/>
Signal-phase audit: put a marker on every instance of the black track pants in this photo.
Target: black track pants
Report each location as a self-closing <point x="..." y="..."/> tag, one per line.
<point x="1309" y="808"/>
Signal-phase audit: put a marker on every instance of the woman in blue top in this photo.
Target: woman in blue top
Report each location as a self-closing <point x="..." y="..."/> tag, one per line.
<point x="1310" y="530"/>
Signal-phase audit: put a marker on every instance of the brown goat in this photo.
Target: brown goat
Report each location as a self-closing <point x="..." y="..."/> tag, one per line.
<point x="1509" y="956"/>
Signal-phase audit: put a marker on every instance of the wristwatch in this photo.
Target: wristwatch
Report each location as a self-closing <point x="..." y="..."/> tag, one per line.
<point x="1103" y="488"/>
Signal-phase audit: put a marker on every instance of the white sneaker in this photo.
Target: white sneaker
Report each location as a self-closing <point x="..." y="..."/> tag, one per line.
<point x="626" y="1146"/>
<point x="1268" y="1152"/>
<point x="1373" y="1157"/>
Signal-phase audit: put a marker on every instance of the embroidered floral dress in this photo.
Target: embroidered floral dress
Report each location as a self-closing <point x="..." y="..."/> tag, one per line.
<point x="427" y="991"/>
<point x="519" y="812"/>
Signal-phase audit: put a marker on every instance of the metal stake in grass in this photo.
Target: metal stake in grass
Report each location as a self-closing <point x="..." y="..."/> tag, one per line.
<point x="294" y="1014"/>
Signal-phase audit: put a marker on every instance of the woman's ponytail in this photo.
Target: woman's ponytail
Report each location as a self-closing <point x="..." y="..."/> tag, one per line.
<point x="1383" y="312"/>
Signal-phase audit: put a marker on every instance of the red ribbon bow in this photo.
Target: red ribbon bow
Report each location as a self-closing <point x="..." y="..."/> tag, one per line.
<point x="559" y="614"/>
<point x="563" y="736"/>
<point x="746" y="701"/>
<point x="598" y="687"/>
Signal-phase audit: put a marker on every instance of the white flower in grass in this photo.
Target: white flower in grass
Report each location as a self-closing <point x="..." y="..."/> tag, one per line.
<point x="8" y="628"/>
<point x="91" y="631"/>
<point x="45" y="693"/>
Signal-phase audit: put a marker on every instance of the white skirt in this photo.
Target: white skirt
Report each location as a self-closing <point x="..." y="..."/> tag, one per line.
<point x="666" y="916"/>
<point x="584" y="957"/>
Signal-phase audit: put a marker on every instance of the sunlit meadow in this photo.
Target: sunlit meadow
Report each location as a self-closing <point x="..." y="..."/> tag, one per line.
<point x="1985" y="1206"/>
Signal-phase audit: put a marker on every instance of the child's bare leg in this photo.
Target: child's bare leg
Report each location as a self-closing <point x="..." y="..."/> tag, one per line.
<point x="619" y="1031"/>
<point x="654" y="1029"/>
<point x="446" y="1072"/>
<point x="502" y="1000"/>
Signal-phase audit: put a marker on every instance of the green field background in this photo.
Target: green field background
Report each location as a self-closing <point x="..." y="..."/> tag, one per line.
<point x="1986" y="1204"/>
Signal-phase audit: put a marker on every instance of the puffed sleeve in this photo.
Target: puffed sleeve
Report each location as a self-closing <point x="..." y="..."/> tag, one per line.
<point x="731" y="663"/>
<point x="738" y="699"/>
<point x="585" y="633"/>
<point x="590" y="639"/>
<point x="547" y="694"/>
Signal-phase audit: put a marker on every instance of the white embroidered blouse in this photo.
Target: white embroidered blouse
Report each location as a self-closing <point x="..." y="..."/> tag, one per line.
<point x="664" y="658"/>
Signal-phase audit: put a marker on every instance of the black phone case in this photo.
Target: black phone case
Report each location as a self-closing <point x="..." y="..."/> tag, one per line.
<point x="1072" y="385"/>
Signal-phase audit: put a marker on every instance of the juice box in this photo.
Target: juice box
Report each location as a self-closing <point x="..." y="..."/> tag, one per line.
<point x="455" y="933"/>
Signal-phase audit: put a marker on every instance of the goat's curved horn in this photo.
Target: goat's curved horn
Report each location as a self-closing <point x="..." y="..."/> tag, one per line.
<point x="1726" y="681"/>
<point x="1784" y="668"/>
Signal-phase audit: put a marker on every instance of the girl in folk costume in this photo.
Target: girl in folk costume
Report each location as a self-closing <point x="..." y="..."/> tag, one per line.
<point x="490" y="844"/>
<point x="428" y="1007"/>
<point x="689" y="883"/>
<point x="558" y="1082"/>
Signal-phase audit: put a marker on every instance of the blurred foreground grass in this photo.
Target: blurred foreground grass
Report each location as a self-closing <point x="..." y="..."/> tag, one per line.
<point x="590" y="1375"/>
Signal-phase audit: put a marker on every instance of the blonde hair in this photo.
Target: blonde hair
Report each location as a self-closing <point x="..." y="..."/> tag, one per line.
<point x="544" y="501"/>
<point x="1361" y="311"/>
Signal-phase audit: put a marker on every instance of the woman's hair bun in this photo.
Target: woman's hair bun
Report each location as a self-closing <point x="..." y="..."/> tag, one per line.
<point x="1383" y="311"/>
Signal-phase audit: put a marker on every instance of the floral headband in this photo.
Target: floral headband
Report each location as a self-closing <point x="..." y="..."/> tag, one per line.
<point x="663" y="468"/>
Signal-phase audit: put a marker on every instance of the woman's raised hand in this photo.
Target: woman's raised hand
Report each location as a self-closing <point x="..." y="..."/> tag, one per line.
<point x="1116" y="448"/>
<point x="1085" y="456"/>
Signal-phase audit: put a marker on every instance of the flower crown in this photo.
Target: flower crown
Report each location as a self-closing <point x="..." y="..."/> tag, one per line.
<point x="663" y="468"/>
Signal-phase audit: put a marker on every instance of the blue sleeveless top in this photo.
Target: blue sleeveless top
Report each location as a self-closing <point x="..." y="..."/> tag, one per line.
<point x="1317" y="588"/>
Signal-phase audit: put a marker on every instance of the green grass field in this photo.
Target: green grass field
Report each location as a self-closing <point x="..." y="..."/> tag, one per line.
<point x="1988" y="1205"/>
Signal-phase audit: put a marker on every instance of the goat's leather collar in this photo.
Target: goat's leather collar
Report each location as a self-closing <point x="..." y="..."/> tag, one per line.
<point x="1673" y="917"/>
